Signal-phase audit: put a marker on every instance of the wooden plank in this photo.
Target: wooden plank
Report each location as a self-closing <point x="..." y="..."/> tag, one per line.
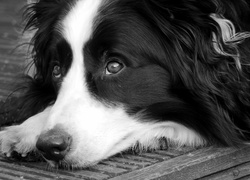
<point x="102" y="171"/>
<point x="15" y="170"/>
<point x="193" y="165"/>
<point x="139" y="158"/>
<point x="236" y="172"/>
<point x="244" y="178"/>
<point x="41" y="170"/>
<point x="109" y="169"/>
<point x="120" y="165"/>
<point x="141" y="164"/>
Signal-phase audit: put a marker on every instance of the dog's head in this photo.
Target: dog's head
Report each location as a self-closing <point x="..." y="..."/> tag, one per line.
<point x="115" y="73"/>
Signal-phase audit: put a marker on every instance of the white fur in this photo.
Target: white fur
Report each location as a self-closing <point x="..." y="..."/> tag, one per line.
<point x="230" y="37"/>
<point x="22" y="138"/>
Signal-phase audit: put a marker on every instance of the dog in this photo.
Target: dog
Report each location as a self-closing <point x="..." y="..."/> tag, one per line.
<point x="111" y="75"/>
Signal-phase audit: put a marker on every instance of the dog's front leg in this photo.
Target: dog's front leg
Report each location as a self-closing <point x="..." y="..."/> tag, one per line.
<point x="22" y="138"/>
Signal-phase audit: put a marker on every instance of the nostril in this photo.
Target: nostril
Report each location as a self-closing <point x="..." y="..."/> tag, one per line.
<point x="54" y="144"/>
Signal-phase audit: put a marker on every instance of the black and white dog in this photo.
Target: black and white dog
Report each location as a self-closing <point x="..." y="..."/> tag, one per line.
<point x="114" y="74"/>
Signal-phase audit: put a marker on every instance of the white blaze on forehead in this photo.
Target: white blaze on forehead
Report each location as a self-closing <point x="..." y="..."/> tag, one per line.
<point x="77" y="28"/>
<point x="79" y="22"/>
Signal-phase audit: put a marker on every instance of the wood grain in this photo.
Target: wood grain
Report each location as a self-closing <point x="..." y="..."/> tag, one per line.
<point x="193" y="165"/>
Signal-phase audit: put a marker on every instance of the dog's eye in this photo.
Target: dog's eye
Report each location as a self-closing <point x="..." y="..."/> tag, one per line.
<point x="57" y="72"/>
<point x="114" y="67"/>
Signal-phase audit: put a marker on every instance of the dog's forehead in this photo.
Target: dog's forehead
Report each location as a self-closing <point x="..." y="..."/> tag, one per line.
<point x="84" y="16"/>
<point x="78" y="23"/>
<point x="100" y="22"/>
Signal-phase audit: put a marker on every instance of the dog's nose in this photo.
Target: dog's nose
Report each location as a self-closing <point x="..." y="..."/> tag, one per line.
<point x="54" y="144"/>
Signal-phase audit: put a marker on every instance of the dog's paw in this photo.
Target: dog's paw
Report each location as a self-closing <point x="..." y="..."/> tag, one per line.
<point x="17" y="139"/>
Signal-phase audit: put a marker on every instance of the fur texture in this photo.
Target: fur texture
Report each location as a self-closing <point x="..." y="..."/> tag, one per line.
<point x="112" y="74"/>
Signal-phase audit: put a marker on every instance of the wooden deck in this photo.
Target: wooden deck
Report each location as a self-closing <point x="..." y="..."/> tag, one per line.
<point x="207" y="163"/>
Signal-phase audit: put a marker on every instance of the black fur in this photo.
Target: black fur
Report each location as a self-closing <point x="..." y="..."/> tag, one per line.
<point x="173" y="71"/>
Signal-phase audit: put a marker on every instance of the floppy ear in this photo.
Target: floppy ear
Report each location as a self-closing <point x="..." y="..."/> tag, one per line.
<point x="201" y="41"/>
<point x="203" y="29"/>
<point x="187" y="31"/>
<point x="205" y="60"/>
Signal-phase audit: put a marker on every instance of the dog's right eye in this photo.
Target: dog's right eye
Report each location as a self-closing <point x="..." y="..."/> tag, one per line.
<point x="114" y="67"/>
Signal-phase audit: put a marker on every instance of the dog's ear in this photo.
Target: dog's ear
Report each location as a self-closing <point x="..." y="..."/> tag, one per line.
<point x="186" y="32"/>
<point x="44" y="12"/>
<point x="204" y="43"/>
<point x="199" y="34"/>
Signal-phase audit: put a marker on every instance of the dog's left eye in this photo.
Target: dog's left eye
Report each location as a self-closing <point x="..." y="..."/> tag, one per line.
<point x="114" y="67"/>
<point x="57" y="72"/>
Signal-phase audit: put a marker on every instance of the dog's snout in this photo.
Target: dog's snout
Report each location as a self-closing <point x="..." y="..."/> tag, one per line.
<point x="54" y="144"/>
